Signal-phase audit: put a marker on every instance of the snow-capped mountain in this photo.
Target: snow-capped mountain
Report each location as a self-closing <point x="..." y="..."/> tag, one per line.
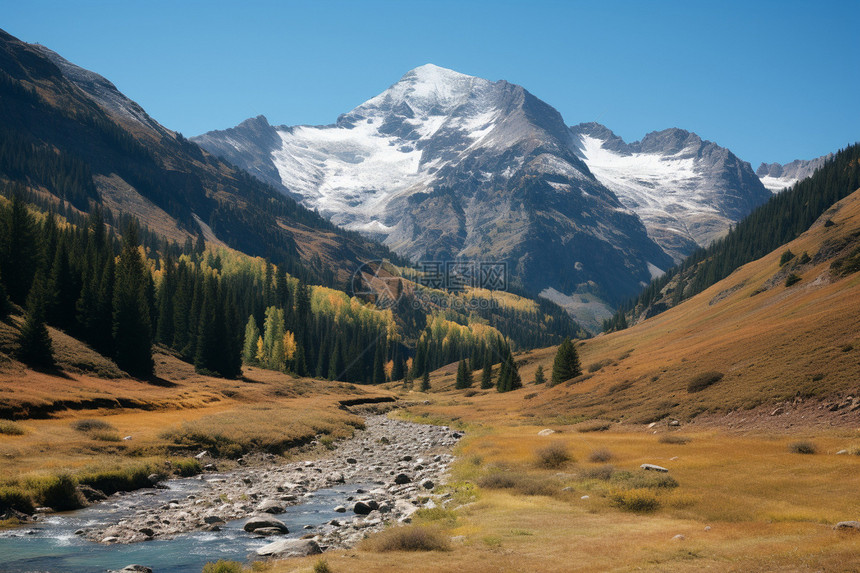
<point x="446" y="166"/>
<point x="686" y="190"/>
<point x="777" y="177"/>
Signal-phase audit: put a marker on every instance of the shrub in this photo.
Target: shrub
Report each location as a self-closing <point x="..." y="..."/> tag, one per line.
<point x="600" y="455"/>
<point x="322" y="566"/>
<point x="791" y="279"/>
<point x="328" y="442"/>
<point x="596" y="366"/>
<point x="553" y="456"/>
<point x="13" y="498"/>
<point x="10" y="428"/>
<point x="802" y="448"/>
<point x="520" y="482"/>
<point x="637" y="500"/>
<point x="409" y="538"/>
<point x="88" y="425"/>
<point x="530" y="396"/>
<point x="222" y="566"/>
<point x="785" y="257"/>
<point x="703" y="380"/>
<point x="58" y="492"/>
<point x="186" y="467"/>
<point x="674" y="439"/>
<point x="645" y="480"/>
<point x="603" y="473"/>
<point x="105" y="436"/>
<point x="804" y="258"/>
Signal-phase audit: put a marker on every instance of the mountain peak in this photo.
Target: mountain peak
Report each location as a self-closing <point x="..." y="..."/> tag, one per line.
<point x="429" y="90"/>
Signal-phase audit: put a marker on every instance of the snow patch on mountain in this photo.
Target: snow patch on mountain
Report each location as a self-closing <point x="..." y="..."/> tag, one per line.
<point x="687" y="191"/>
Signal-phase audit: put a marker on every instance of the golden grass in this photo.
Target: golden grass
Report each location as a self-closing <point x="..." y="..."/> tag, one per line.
<point x="766" y="509"/>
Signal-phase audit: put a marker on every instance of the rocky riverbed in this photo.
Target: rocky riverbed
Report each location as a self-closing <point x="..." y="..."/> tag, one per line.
<point x="395" y="466"/>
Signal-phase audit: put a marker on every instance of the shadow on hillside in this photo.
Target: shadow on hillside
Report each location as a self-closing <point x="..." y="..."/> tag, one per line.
<point x="156" y="380"/>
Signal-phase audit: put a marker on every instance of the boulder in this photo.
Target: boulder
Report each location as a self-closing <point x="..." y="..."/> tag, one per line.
<point x="290" y="548"/>
<point x="848" y="525"/>
<point x="428" y="484"/>
<point x="653" y="468"/>
<point x="270" y="506"/>
<point x="136" y="569"/>
<point x="546" y="432"/>
<point x="401" y="479"/>
<point x="261" y="521"/>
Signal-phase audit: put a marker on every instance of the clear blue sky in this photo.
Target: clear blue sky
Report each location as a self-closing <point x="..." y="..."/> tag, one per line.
<point x="773" y="81"/>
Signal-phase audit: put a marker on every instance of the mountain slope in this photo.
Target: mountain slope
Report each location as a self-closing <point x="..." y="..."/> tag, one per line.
<point x="102" y="148"/>
<point x="687" y="191"/>
<point x="785" y="216"/>
<point x="773" y="344"/>
<point x="446" y="166"/>
<point x="777" y="177"/>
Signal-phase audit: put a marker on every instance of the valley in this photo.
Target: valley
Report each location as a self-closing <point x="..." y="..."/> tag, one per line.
<point x="452" y="330"/>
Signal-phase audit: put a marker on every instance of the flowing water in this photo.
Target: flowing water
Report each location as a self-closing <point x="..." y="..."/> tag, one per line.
<point x="51" y="545"/>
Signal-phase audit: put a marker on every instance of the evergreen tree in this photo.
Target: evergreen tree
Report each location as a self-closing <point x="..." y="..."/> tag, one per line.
<point x="539" y="376"/>
<point x="35" y="347"/>
<point x="166" y="291"/>
<point x="21" y="254"/>
<point x="425" y="381"/>
<point x="509" y="374"/>
<point x="131" y="326"/>
<point x="566" y="363"/>
<point x="464" y="376"/>
<point x="487" y="376"/>
<point x="249" y="349"/>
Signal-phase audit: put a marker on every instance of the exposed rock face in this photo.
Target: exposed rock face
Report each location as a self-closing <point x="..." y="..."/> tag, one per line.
<point x="686" y="190"/>
<point x="776" y="176"/>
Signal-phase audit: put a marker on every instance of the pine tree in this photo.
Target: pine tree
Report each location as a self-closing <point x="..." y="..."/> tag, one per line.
<point x="35" y="346"/>
<point x="487" y="376"/>
<point x="131" y="326"/>
<point x="249" y="349"/>
<point x="165" y="330"/>
<point x="464" y="376"/>
<point x="21" y="254"/>
<point x="425" y="382"/>
<point x="509" y="374"/>
<point x="566" y="363"/>
<point x="539" y="376"/>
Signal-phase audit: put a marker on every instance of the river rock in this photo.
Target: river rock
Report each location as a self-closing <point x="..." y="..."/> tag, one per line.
<point x="260" y="522"/>
<point x="290" y="548"/>
<point x="361" y="508"/>
<point x="340" y="509"/>
<point x="428" y="484"/>
<point x="653" y="468"/>
<point x="270" y="506"/>
<point x="401" y="479"/>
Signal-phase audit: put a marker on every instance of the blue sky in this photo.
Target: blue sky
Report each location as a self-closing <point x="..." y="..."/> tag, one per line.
<point x="773" y="81"/>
